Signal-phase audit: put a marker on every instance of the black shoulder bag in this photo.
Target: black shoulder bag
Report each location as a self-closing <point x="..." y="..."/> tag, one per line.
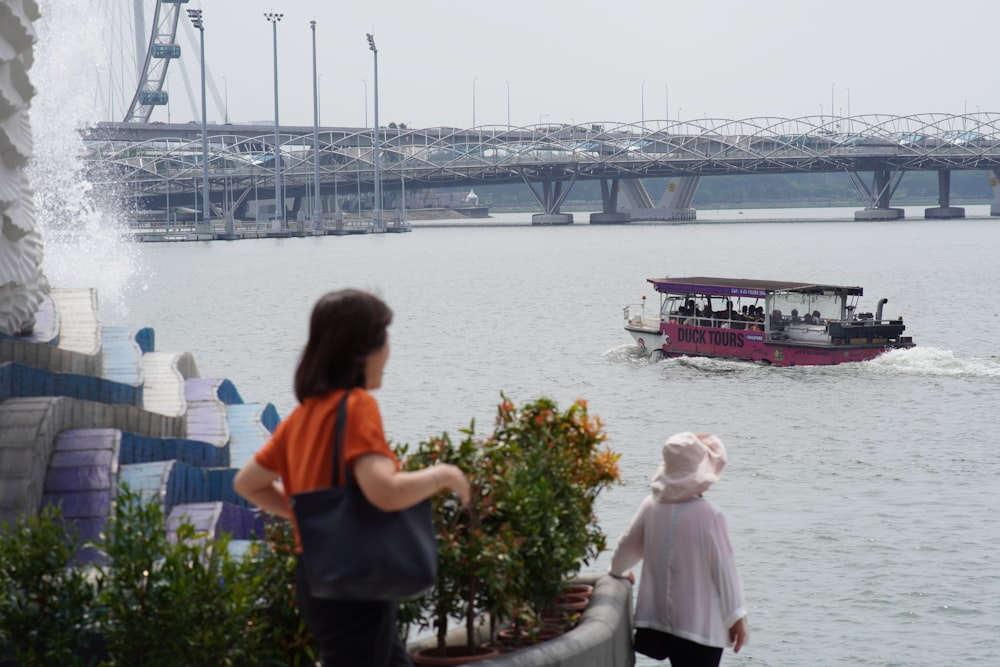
<point x="354" y="551"/>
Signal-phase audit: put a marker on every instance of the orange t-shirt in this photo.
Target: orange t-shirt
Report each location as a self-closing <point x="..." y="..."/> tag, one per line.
<point x="301" y="449"/>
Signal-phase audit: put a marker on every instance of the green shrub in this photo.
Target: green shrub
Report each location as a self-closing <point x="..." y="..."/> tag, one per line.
<point x="167" y="603"/>
<point x="150" y="600"/>
<point x="45" y="602"/>
<point x="275" y="632"/>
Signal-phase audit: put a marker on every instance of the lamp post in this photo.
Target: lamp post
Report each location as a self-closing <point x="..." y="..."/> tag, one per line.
<point x="642" y="103"/>
<point x="317" y="208"/>
<point x="199" y="24"/>
<point x="508" y="104"/>
<point x="365" y="81"/>
<point x="377" y="206"/>
<point x="279" y="194"/>
<point x="833" y="109"/>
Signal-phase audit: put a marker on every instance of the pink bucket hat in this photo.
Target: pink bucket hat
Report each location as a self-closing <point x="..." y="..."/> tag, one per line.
<point x="691" y="464"/>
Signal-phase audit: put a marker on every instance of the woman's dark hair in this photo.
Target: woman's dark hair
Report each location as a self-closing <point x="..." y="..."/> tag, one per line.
<point x="346" y="326"/>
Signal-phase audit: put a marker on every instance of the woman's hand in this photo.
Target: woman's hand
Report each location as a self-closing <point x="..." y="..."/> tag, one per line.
<point x="454" y="480"/>
<point x="739" y="634"/>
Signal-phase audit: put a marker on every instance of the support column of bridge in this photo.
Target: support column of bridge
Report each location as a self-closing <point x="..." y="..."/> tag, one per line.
<point x="944" y="210"/>
<point x="878" y="196"/>
<point x="298" y="226"/>
<point x="610" y="215"/>
<point x="994" y="175"/>
<point x="674" y="205"/>
<point x="551" y="197"/>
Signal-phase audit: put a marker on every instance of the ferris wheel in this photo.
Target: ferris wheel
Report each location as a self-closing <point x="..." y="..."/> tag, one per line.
<point x="141" y="45"/>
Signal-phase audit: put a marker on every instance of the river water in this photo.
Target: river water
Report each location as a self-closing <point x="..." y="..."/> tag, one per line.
<point x="862" y="499"/>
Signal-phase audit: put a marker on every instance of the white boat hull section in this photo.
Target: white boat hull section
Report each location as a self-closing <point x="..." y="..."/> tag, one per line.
<point x="646" y="333"/>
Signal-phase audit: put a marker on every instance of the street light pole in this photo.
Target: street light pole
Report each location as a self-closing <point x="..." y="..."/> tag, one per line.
<point x="317" y="207"/>
<point x="196" y="20"/>
<point x="377" y="210"/>
<point x="279" y="194"/>
<point x="833" y="109"/>
<point x="642" y="103"/>
<point x="508" y="104"/>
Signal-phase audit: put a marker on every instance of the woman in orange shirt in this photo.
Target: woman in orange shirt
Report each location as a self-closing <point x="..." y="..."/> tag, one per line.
<point x="347" y="349"/>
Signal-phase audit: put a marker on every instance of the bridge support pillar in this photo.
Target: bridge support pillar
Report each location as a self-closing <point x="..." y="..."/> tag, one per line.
<point x="551" y="197"/>
<point x="994" y="175"/>
<point x="945" y="210"/>
<point x="609" y="215"/>
<point x="884" y="184"/>
<point x="674" y="205"/>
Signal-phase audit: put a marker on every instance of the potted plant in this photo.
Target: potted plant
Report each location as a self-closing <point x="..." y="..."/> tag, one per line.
<point x="529" y="526"/>
<point x="559" y="463"/>
<point x="475" y="545"/>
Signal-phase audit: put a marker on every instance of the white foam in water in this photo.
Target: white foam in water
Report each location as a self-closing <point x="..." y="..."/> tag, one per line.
<point x="83" y="239"/>
<point x="932" y="361"/>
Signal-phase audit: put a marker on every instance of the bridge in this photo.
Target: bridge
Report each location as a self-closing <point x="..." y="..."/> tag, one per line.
<point x="158" y="167"/>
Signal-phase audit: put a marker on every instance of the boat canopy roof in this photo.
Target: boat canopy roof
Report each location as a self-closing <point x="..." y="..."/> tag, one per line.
<point x="734" y="287"/>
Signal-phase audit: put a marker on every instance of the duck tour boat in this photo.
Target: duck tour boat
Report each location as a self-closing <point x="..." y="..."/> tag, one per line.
<point x="767" y="321"/>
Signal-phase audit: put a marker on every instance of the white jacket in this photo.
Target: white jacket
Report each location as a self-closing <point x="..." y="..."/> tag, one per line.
<point x="689" y="586"/>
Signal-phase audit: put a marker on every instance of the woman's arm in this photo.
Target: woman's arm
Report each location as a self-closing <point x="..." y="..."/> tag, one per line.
<point x="261" y="487"/>
<point x="629" y="549"/>
<point x="391" y="490"/>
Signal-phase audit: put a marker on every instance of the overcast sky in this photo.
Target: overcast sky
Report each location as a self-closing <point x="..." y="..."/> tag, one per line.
<point x="587" y="61"/>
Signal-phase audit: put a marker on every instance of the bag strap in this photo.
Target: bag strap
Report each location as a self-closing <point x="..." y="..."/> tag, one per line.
<point x="339" y="427"/>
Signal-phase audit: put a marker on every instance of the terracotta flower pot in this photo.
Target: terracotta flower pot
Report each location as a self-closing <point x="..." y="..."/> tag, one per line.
<point x="578" y="589"/>
<point x="573" y="602"/>
<point x="454" y="655"/>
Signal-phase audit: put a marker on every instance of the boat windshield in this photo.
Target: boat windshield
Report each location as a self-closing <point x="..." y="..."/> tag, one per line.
<point x="808" y="306"/>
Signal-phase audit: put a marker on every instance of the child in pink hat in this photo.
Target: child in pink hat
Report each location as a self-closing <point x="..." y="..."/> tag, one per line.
<point x="690" y="601"/>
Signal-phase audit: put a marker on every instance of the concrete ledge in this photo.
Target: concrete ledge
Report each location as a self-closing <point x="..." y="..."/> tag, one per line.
<point x="603" y="638"/>
<point x="661" y="214"/>
<point x="944" y="212"/>
<point x="552" y="219"/>
<point x="610" y="218"/>
<point x="876" y="214"/>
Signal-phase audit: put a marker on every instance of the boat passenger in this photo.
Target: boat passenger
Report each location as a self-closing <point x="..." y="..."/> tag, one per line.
<point x="706" y="316"/>
<point x="795" y="316"/>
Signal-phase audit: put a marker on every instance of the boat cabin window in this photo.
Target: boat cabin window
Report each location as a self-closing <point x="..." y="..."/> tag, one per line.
<point x="707" y="311"/>
<point x="797" y="308"/>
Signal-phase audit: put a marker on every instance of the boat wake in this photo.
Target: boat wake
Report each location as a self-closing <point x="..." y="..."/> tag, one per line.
<point x="631" y="353"/>
<point x="627" y="353"/>
<point x="929" y="361"/>
<point x="917" y="361"/>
